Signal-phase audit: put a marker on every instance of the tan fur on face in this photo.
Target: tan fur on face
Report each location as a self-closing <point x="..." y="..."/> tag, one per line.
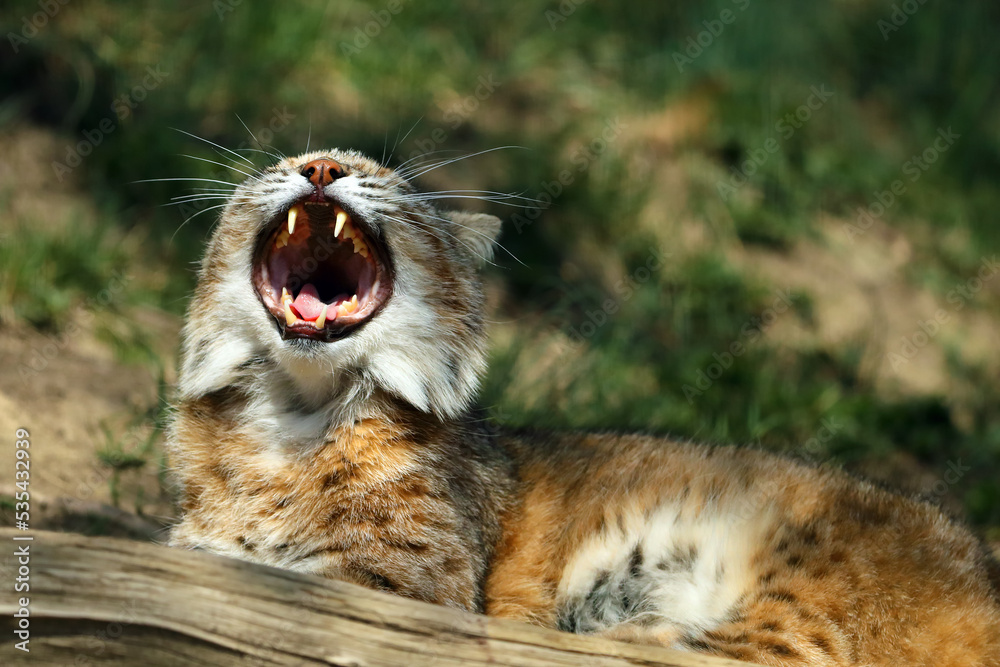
<point x="360" y="459"/>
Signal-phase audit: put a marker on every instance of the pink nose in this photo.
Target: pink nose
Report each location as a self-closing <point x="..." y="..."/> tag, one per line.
<point x="322" y="172"/>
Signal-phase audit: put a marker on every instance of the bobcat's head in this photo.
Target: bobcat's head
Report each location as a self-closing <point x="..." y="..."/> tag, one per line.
<point x="330" y="279"/>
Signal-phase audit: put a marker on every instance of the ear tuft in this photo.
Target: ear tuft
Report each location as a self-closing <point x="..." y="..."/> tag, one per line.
<point x="478" y="232"/>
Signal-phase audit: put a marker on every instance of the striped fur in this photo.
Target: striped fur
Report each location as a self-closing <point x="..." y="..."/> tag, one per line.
<point x="363" y="459"/>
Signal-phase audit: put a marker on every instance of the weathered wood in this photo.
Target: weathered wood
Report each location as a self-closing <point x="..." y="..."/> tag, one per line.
<point x="109" y="601"/>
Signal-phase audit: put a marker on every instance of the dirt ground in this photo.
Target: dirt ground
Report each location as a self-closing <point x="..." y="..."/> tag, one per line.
<point x="70" y="393"/>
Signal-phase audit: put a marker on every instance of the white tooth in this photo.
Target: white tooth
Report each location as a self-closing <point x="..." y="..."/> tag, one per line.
<point x="293" y="213"/>
<point x="321" y="320"/>
<point x="290" y="318"/>
<point x="341" y="219"/>
<point x="285" y="296"/>
<point x="348" y="307"/>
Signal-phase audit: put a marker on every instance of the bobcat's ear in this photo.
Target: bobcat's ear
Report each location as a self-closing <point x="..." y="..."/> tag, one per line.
<point x="477" y="232"/>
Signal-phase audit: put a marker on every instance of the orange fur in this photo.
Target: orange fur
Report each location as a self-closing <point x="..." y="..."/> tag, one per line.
<point x="360" y="458"/>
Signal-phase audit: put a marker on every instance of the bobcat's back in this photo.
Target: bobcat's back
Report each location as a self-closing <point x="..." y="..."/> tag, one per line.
<point x="738" y="553"/>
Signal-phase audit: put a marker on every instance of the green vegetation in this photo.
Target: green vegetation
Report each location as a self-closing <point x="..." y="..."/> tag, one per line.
<point x="742" y="159"/>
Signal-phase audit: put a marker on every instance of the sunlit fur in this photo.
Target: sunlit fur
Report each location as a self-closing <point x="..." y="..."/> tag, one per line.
<point x="363" y="460"/>
<point x="426" y="346"/>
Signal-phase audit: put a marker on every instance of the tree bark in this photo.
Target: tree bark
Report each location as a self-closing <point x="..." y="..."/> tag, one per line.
<point x="96" y="600"/>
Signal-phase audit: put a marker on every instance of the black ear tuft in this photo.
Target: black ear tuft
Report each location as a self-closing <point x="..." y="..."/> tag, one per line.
<point x="477" y="232"/>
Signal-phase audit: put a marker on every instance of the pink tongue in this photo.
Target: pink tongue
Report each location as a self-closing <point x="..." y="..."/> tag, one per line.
<point x="307" y="303"/>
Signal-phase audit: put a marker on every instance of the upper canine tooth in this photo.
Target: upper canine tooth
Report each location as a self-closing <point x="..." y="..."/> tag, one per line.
<point x="293" y="213"/>
<point x="342" y="218"/>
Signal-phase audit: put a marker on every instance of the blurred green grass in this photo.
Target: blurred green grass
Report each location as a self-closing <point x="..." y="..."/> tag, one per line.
<point x="558" y="85"/>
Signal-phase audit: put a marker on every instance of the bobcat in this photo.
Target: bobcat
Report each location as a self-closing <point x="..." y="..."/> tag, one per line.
<point x="325" y="424"/>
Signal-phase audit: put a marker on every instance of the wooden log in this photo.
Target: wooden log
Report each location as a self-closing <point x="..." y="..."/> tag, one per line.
<point x="97" y="600"/>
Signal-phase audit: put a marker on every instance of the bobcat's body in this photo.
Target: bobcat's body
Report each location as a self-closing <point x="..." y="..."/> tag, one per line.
<point x="353" y="453"/>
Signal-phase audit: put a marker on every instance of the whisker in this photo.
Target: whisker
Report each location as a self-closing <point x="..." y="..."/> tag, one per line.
<point x="283" y="156"/>
<point x="271" y="155"/>
<point x="469" y="193"/>
<point x="199" y="197"/>
<point x="430" y="229"/>
<point x="399" y="141"/>
<point x="416" y="165"/>
<point x="195" y="136"/>
<point x="466" y="157"/>
<point x="485" y="236"/>
<point x="225" y="166"/>
<point x="192" y="217"/>
<point x="205" y="180"/>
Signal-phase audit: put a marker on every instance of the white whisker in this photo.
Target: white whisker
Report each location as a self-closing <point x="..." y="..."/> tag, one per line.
<point x="165" y="180"/>
<point x="464" y="157"/>
<point x="195" y="136"/>
<point x="225" y="166"/>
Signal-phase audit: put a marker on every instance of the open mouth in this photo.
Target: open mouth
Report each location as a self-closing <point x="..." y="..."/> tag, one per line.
<point x="319" y="274"/>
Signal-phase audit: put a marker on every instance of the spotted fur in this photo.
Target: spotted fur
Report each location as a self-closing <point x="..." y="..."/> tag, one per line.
<point x="363" y="459"/>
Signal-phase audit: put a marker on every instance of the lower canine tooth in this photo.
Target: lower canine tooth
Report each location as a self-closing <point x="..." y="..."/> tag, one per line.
<point x="321" y="320"/>
<point x="290" y="318"/>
